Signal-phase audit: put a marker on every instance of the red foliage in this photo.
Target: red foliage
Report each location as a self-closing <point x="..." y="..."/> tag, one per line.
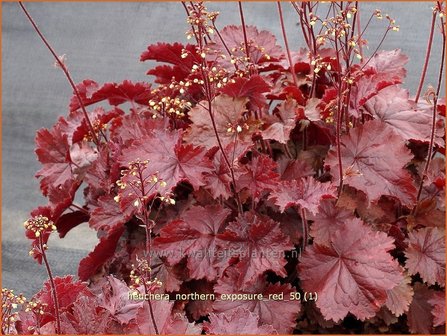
<point x="207" y="180"/>
<point x="352" y="273"/>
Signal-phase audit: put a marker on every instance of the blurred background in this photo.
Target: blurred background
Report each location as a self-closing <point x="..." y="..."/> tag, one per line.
<point x="103" y="42"/>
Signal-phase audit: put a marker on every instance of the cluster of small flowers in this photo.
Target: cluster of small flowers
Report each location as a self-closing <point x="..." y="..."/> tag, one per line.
<point x="144" y="188"/>
<point x="10" y="302"/>
<point x="141" y="275"/>
<point x="39" y="225"/>
<point x="98" y="127"/>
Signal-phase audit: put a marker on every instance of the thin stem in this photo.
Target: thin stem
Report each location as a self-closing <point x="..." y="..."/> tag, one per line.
<point x="427" y="57"/>
<point x="304" y="223"/>
<point x="377" y="48"/>
<point x="338" y="126"/>
<point x="433" y="124"/>
<point x="244" y="30"/>
<point x="286" y="43"/>
<point x="53" y="286"/>
<point x="151" y="310"/>
<point x="64" y="69"/>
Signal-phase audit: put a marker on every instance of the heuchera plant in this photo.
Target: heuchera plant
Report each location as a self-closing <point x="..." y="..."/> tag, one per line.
<point x="297" y="190"/>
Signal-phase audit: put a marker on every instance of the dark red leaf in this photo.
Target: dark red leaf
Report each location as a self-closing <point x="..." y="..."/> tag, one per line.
<point x="394" y="108"/>
<point x="195" y="236"/>
<point x="438" y="311"/>
<point x="239" y="321"/>
<point x="218" y="181"/>
<point x="230" y="125"/>
<point x="419" y="317"/>
<point x="86" y="318"/>
<point x="426" y="254"/>
<point x="100" y="255"/>
<point x="399" y="298"/>
<point x="108" y="215"/>
<point x="261" y="45"/>
<point x="259" y="244"/>
<point x="259" y="176"/>
<point x="251" y="88"/>
<point x="384" y="69"/>
<point x="305" y="192"/>
<point x="115" y="94"/>
<point x="367" y="165"/>
<point x="70" y="220"/>
<point x="328" y="219"/>
<point x="53" y="151"/>
<point x="115" y="299"/>
<point x="168" y="159"/>
<point x="167" y="321"/>
<point x="279" y="313"/>
<point x="68" y="290"/>
<point x="352" y="274"/>
<point x="285" y="122"/>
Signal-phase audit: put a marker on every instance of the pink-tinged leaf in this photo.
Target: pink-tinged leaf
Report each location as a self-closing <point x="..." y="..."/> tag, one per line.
<point x="259" y="176"/>
<point x="67" y="289"/>
<point x="115" y="299"/>
<point x="279" y="313"/>
<point x="60" y="198"/>
<point x="170" y="276"/>
<point x="199" y="308"/>
<point x="100" y="255"/>
<point x="426" y="254"/>
<point x="108" y="214"/>
<point x="69" y="221"/>
<point x="419" y="317"/>
<point x="134" y="126"/>
<point x="394" y="108"/>
<point x="438" y="311"/>
<point x="293" y="169"/>
<point x="86" y="318"/>
<point x="285" y="122"/>
<point x="227" y="114"/>
<point x="259" y="244"/>
<point x="352" y="274"/>
<point x="386" y="68"/>
<point x="328" y="219"/>
<point x="389" y="62"/>
<point x="179" y="325"/>
<point x="168" y="159"/>
<point x="115" y="94"/>
<point x="78" y="129"/>
<point x="162" y="311"/>
<point x="399" y="298"/>
<point x="103" y="173"/>
<point x="195" y="235"/>
<point x="305" y="192"/>
<point x="367" y="165"/>
<point x="218" y="181"/>
<point x="53" y="151"/>
<point x="167" y="321"/>
<point x="261" y="45"/>
<point x="239" y="321"/>
<point x="251" y="88"/>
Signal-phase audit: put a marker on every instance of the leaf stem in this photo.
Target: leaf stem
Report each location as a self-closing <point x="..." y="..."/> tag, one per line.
<point x="286" y="44"/>
<point x="53" y="286"/>
<point x="305" y="231"/>
<point x="433" y="124"/>
<point x="64" y="69"/>
<point x="244" y="30"/>
<point x="427" y="57"/>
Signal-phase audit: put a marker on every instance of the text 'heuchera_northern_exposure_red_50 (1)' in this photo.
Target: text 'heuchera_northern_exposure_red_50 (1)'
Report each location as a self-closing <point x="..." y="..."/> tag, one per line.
<point x="302" y="190"/>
